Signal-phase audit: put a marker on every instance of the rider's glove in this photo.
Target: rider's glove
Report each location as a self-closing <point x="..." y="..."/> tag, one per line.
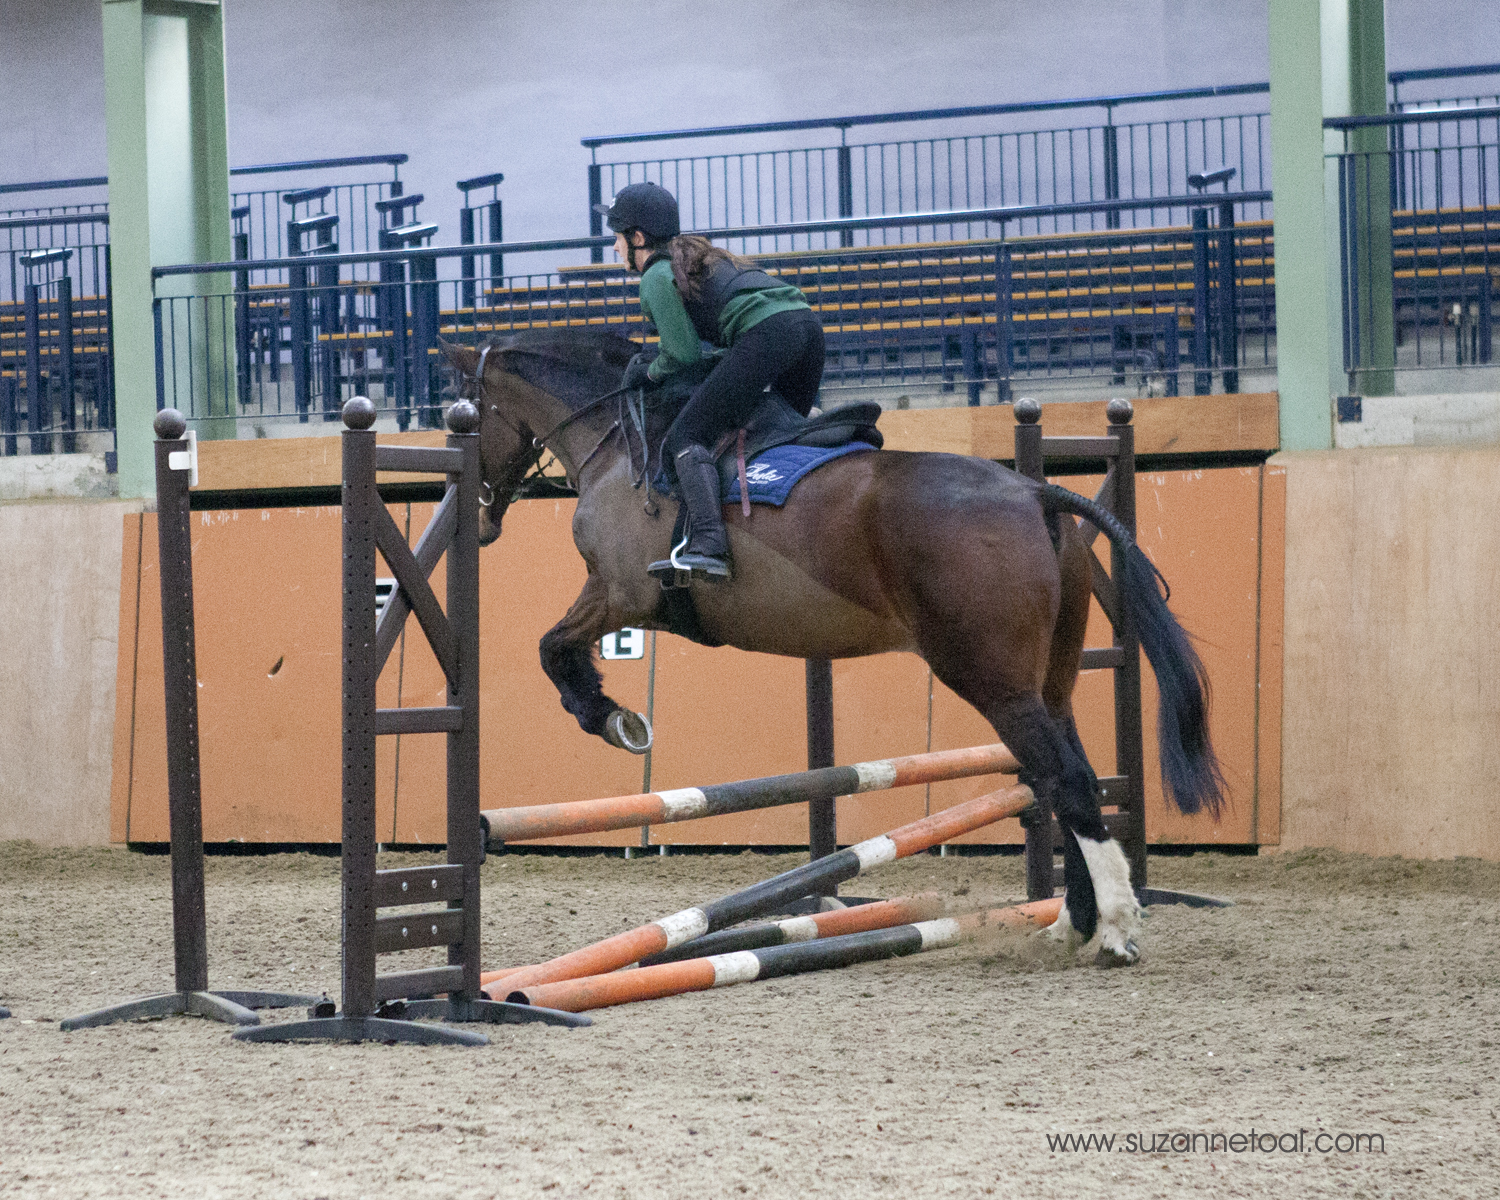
<point x="636" y="373"/>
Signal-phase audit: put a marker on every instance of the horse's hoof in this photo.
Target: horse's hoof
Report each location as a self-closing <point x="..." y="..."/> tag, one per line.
<point x="1108" y="957"/>
<point x="628" y="730"/>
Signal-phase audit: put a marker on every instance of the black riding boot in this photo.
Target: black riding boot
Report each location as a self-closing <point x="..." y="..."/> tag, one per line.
<point x="705" y="549"/>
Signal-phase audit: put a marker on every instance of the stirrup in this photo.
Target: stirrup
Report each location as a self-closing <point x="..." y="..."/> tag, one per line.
<point x="676" y="571"/>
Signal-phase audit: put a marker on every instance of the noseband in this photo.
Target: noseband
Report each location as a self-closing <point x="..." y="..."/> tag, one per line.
<point x="538" y="443"/>
<point x="536" y="455"/>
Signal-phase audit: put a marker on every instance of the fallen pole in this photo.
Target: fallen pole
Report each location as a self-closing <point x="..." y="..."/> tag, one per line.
<point x="670" y="932"/>
<point x="687" y="804"/>
<point x="771" y="962"/>
<point x="879" y="914"/>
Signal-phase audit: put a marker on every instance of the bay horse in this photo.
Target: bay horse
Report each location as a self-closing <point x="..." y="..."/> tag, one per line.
<point x="977" y="569"/>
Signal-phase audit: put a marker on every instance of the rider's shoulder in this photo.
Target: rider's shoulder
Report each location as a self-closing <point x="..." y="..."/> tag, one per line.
<point x="658" y="283"/>
<point x="659" y="271"/>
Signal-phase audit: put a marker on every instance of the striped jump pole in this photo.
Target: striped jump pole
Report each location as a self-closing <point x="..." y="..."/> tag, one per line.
<point x="772" y="962"/>
<point x="761" y="898"/>
<point x="686" y="804"/>
<point x="878" y="914"/>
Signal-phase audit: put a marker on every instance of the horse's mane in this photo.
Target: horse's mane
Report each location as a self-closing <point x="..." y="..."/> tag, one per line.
<point x="575" y="365"/>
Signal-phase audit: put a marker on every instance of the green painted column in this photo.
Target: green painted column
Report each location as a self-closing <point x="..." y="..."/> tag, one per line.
<point x="1308" y="354"/>
<point x="1370" y="180"/>
<point x="1327" y="59"/>
<point x="168" y="203"/>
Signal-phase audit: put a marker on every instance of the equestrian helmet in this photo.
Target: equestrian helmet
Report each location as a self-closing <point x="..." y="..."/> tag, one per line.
<point x="648" y="207"/>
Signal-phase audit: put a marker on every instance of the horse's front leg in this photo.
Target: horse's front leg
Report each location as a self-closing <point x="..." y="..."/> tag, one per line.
<point x="568" y="658"/>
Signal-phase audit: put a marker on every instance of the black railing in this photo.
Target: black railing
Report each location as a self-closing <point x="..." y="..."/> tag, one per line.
<point x="1099" y="161"/>
<point x="491" y="212"/>
<point x="1137" y="307"/>
<point x="1419" y="240"/>
<point x="86" y="233"/>
<point x="1029" y="168"/>
<point x="55" y="377"/>
<point x="261" y="214"/>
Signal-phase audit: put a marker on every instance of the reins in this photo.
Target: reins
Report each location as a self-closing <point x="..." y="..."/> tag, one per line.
<point x="635" y="414"/>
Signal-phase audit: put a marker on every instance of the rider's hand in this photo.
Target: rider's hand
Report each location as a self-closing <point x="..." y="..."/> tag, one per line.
<point x="636" y="372"/>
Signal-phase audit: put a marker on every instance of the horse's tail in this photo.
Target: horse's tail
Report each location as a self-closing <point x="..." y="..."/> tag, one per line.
<point x="1189" y="768"/>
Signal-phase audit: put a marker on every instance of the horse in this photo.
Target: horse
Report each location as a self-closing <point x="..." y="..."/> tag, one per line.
<point x="979" y="570"/>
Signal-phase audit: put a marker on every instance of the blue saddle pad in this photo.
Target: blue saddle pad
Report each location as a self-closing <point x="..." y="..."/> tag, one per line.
<point x="773" y="473"/>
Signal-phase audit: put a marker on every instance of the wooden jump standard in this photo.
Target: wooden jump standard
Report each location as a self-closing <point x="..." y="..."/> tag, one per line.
<point x="380" y="1007"/>
<point x="768" y="896"/>
<point x="687" y="804"/>
<point x="772" y="962"/>
<point x="174" y="468"/>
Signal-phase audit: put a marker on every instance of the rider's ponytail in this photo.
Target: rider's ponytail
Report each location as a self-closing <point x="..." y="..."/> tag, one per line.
<point x="692" y="256"/>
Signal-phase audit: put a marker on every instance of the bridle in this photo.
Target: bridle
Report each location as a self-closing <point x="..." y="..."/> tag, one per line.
<point x="541" y="443"/>
<point x="477" y="378"/>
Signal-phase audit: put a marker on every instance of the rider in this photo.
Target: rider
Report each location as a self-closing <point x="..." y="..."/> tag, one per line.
<point x="693" y="292"/>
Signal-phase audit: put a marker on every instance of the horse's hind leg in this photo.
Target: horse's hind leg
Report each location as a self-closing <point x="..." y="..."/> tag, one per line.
<point x="1091" y="859"/>
<point x="1095" y="874"/>
<point x="1108" y="871"/>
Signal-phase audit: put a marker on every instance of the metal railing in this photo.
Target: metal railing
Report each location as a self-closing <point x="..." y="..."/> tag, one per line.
<point x="1429" y="74"/>
<point x="84" y="232"/>
<point x="1419" y="240"/>
<point x="263" y="213"/>
<point x="55" y="377"/>
<point x="266" y="213"/>
<point x="491" y="211"/>
<point x="1138" y="306"/>
<point x="1030" y="168"/>
<point x="1101" y="160"/>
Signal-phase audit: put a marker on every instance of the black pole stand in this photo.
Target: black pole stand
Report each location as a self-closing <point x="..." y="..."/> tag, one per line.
<point x="379" y="1007"/>
<point x="822" y="815"/>
<point x="184" y="795"/>
<point x="1126" y="791"/>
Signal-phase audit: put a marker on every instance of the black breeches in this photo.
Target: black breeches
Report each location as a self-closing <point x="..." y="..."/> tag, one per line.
<point x="785" y="351"/>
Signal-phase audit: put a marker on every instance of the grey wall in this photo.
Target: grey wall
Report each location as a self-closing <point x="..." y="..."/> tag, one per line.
<point x="471" y="86"/>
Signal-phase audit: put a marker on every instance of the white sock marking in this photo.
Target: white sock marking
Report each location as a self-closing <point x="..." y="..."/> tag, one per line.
<point x="1119" y="914"/>
<point x="1061" y="930"/>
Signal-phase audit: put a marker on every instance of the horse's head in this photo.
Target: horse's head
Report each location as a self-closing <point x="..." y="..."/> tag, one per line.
<point x="506" y="449"/>
<point x="527" y="384"/>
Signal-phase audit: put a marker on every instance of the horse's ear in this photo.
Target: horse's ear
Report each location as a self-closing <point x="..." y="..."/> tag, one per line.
<point x="461" y="358"/>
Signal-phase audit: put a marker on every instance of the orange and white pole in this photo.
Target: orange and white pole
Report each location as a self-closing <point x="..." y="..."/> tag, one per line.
<point x="879" y="914"/>
<point x="670" y="932"/>
<point x="770" y="962"/>
<point x="686" y="804"/>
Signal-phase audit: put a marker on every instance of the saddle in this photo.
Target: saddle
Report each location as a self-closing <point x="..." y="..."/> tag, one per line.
<point x="773" y="423"/>
<point x="777" y="423"/>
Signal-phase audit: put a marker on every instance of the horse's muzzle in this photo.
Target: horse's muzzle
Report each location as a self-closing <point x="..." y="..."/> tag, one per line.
<point x="489" y="527"/>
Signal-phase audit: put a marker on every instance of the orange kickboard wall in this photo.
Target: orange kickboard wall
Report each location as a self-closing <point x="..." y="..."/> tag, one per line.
<point x="267" y="604"/>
